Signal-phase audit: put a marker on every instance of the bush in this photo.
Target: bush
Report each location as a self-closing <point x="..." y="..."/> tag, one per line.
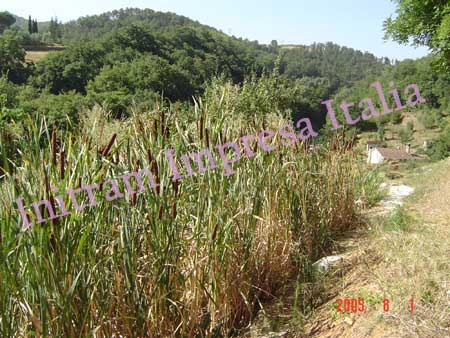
<point x="405" y="133"/>
<point x="118" y="86"/>
<point x="381" y="132"/>
<point x="59" y="110"/>
<point x="430" y="119"/>
<point x="441" y="146"/>
<point x="12" y="57"/>
<point x="399" y="220"/>
<point x="395" y="118"/>
<point x="8" y="93"/>
<point x="69" y="70"/>
<point x="370" y="189"/>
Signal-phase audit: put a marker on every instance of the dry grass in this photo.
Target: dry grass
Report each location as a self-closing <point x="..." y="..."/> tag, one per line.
<point x="403" y="256"/>
<point x="416" y="261"/>
<point x="36" y="56"/>
<point x="38" y="53"/>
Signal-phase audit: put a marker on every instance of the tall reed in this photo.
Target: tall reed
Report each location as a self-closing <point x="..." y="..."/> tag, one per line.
<point x="192" y="259"/>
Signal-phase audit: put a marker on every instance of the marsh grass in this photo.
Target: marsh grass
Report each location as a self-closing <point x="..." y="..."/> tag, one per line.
<point x="187" y="260"/>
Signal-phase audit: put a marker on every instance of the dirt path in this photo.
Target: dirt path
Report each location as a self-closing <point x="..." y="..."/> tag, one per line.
<point x="396" y="195"/>
<point x="403" y="254"/>
<point x="410" y="260"/>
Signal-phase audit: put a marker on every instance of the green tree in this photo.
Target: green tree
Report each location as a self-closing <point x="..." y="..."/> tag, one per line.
<point x="54" y="29"/>
<point x="118" y="85"/>
<point x="441" y="146"/>
<point x="138" y="38"/>
<point x="70" y="69"/>
<point x="6" y="21"/>
<point x="426" y="23"/>
<point x="12" y="57"/>
<point x="273" y="47"/>
<point x="30" y="25"/>
<point x="35" y="26"/>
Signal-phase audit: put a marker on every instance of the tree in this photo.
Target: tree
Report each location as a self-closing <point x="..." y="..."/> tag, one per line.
<point x="70" y="69"/>
<point x="426" y="23"/>
<point x="35" y="26"/>
<point x="30" y="25"/>
<point x="6" y="21"/>
<point x="54" y="29"/>
<point x="441" y="146"/>
<point x="137" y="37"/>
<point x="124" y="82"/>
<point x="12" y="57"/>
<point x="273" y="47"/>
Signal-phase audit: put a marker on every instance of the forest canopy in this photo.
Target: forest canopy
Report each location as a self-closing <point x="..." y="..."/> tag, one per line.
<point x="126" y="58"/>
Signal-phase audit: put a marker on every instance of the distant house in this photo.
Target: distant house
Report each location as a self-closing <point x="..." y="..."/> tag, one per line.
<point x="373" y="144"/>
<point x="380" y="155"/>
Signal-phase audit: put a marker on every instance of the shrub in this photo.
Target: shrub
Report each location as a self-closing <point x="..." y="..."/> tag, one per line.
<point x="441" y="146"/>
<point x="59" y="110"/>
<point x="405" y="134"/>
<point x="369" y="189"/>
<point x="121" y="84"/>
<point x="398" y="220"/>
<point x="430" y="118"/>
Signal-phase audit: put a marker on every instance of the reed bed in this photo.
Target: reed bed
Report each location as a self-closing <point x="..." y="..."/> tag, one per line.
<point x="193" y="259"/>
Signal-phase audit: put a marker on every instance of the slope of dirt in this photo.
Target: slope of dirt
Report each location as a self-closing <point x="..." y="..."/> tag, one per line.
<point x="411" y="262"/>
<point x="402" y="255"/>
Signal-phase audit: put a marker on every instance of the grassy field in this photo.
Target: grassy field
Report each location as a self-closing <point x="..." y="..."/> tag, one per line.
<point x="36" y="56"/>
<point x="38" y="53"/>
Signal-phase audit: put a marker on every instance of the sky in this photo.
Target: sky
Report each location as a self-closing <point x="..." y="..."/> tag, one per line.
<point x="353" y="23"/>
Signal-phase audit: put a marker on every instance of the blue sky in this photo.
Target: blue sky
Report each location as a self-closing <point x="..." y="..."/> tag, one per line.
<point x="353" y="23"/>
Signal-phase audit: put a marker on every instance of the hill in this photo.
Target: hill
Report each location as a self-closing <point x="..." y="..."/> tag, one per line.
<point x="95" y="26"/>
<point x="108" y="58"/>
<point x="317" y="60"/>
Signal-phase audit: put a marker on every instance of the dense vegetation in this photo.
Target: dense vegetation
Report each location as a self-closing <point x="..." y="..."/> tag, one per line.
<point x="195" y="258"/>
<point x="127" y="57"/>
<point x="124" y="59"/>
<point x="433" y="85"/>
<point x="192" y="259"/>
<point x="425" y="23"/>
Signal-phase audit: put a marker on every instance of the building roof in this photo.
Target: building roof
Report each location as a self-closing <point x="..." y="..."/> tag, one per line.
<point x="394" y="154"/>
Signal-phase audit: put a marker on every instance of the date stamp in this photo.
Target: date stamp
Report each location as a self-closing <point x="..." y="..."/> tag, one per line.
<point x="355" y="305"/>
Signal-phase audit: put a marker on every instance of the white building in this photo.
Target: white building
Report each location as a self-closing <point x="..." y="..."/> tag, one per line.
<point x="380" y="155"/>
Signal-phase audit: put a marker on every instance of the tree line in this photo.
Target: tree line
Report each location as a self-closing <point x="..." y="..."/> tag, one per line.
<point x="124" y="59"/>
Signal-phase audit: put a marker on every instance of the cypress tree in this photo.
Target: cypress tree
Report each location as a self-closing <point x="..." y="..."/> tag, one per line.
<point x="35" y="26"/>
<point x="54" y="28"/>
<point x="30" y="25"/>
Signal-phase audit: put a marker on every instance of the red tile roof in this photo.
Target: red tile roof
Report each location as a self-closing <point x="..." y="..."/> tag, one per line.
<point x="394" y="154"/>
